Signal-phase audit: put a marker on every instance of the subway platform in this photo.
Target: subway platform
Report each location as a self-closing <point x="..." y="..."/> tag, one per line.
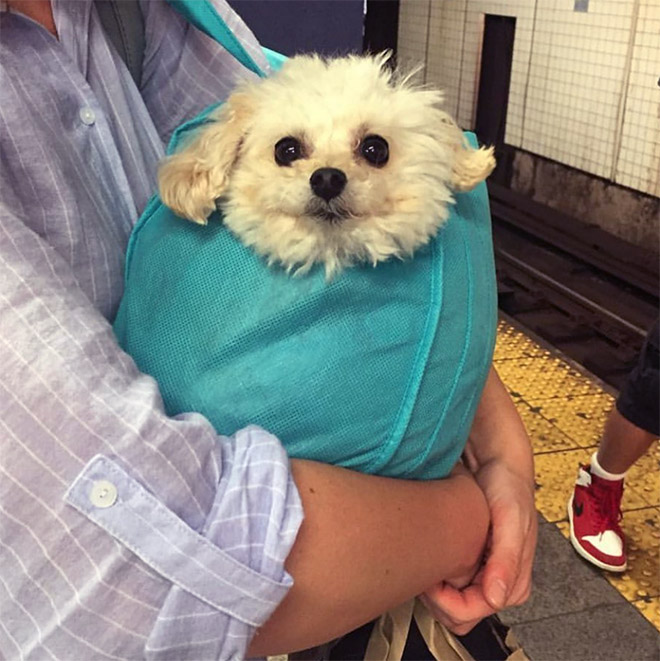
<point x="578" y="612"/>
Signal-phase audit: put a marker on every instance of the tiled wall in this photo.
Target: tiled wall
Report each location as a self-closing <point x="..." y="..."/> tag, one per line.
<point x="584" y="84"/>
<point x="414" y="30"/>
<point x="448" y="19"/>
<point x="638" y="162"/>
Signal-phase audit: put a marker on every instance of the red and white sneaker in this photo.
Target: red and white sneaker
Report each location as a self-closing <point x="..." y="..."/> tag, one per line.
<point x="594" y="513"/>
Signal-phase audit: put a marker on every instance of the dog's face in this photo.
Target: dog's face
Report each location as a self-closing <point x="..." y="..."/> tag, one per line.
<point x="327" y="161"/>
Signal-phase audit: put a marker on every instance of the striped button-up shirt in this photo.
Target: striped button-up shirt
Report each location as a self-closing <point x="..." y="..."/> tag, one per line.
<point x="124" y="534"/>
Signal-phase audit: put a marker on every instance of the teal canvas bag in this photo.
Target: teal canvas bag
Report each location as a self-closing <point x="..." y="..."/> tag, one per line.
<point x="380" y="369"/>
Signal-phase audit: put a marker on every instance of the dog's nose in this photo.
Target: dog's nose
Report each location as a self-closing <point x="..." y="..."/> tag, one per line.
<point x="328" y="182"/>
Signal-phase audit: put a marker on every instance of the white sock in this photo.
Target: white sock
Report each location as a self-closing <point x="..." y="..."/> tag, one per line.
<point x="598" y="470"/>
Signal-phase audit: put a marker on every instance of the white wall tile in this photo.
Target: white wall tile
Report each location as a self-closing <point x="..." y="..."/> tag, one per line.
<point x="583" y="84"/>
<point x="413" y="31"/>
<point x="638" y="159"/>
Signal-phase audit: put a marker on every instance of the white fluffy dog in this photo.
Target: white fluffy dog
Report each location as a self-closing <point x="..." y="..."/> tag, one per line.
<point x="330" y="161"/>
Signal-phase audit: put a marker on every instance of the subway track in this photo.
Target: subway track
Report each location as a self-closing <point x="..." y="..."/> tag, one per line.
<point x="584" y="292"/>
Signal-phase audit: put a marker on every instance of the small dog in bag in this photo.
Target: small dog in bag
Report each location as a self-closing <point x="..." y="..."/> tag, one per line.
<point x="330" y="161"/>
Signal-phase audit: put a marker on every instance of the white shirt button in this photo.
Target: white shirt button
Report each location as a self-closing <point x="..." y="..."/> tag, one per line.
<point x="104" y="494"/>
<point x="87" y="116"/>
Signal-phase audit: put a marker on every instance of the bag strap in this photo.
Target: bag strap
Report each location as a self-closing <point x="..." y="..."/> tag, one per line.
<point x="123" y="22"/>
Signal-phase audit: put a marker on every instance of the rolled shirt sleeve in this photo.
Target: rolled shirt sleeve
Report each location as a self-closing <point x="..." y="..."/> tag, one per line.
<point x="228" y="577"/>
<point x="180" y="551"/>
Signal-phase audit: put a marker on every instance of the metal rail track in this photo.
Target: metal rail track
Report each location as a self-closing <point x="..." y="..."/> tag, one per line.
<point x="596" y="311"/>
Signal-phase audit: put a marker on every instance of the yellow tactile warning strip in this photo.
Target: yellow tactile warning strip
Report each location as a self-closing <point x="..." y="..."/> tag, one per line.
<point x="564" y="410"/>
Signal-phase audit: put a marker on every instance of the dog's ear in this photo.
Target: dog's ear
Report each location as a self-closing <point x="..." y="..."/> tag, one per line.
<point x="191" y="180"/>
<point x="471" y="166"/>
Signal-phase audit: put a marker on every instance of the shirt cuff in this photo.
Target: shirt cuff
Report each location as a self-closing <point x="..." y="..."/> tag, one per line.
<point x="227" y="578"/>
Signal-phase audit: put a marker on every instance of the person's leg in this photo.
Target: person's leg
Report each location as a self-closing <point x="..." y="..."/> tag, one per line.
<point x="623" y="443"/>
<point x="635" y="423"/>
<point x="594" y="509"/>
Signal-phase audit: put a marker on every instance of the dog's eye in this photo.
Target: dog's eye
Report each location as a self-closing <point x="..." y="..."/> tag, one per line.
<point x="375" y="150"/>
<point x="288" y="150"/>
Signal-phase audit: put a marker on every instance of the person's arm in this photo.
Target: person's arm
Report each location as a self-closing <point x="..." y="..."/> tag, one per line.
<point x="369" y="543"/>
<point x="500" y="454"/>
<point x="117" y="519"/>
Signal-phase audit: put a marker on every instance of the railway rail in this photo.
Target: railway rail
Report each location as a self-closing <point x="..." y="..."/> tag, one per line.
<point x="585" y="292"/>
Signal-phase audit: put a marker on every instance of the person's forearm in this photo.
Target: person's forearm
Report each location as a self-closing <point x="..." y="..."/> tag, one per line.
<point x="498" y="432"/>
<point x="369" y="543"/>
<point x="500" y="455"/>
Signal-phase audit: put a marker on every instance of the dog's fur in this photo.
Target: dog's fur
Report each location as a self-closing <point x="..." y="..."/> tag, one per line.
<point x="329" y="106"/>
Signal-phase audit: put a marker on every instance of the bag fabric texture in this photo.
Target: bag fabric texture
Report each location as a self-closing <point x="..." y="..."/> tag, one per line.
<point x="379" y="369"/>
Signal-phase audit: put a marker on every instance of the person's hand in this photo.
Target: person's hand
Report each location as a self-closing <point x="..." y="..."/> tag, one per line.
<point x="505" y="578"/>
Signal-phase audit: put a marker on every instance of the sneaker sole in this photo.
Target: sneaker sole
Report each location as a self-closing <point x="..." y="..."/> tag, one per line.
<point x="584" y="554"/>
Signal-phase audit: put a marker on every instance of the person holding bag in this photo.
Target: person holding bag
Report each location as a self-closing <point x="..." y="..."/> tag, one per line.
<point x="128" y="533"/>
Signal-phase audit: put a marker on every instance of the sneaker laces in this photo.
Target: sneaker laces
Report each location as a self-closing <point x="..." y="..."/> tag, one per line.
<point x="607" y="510"/>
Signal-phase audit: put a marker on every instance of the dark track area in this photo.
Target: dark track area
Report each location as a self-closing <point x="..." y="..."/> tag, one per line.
<point x="590" y="295"/>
